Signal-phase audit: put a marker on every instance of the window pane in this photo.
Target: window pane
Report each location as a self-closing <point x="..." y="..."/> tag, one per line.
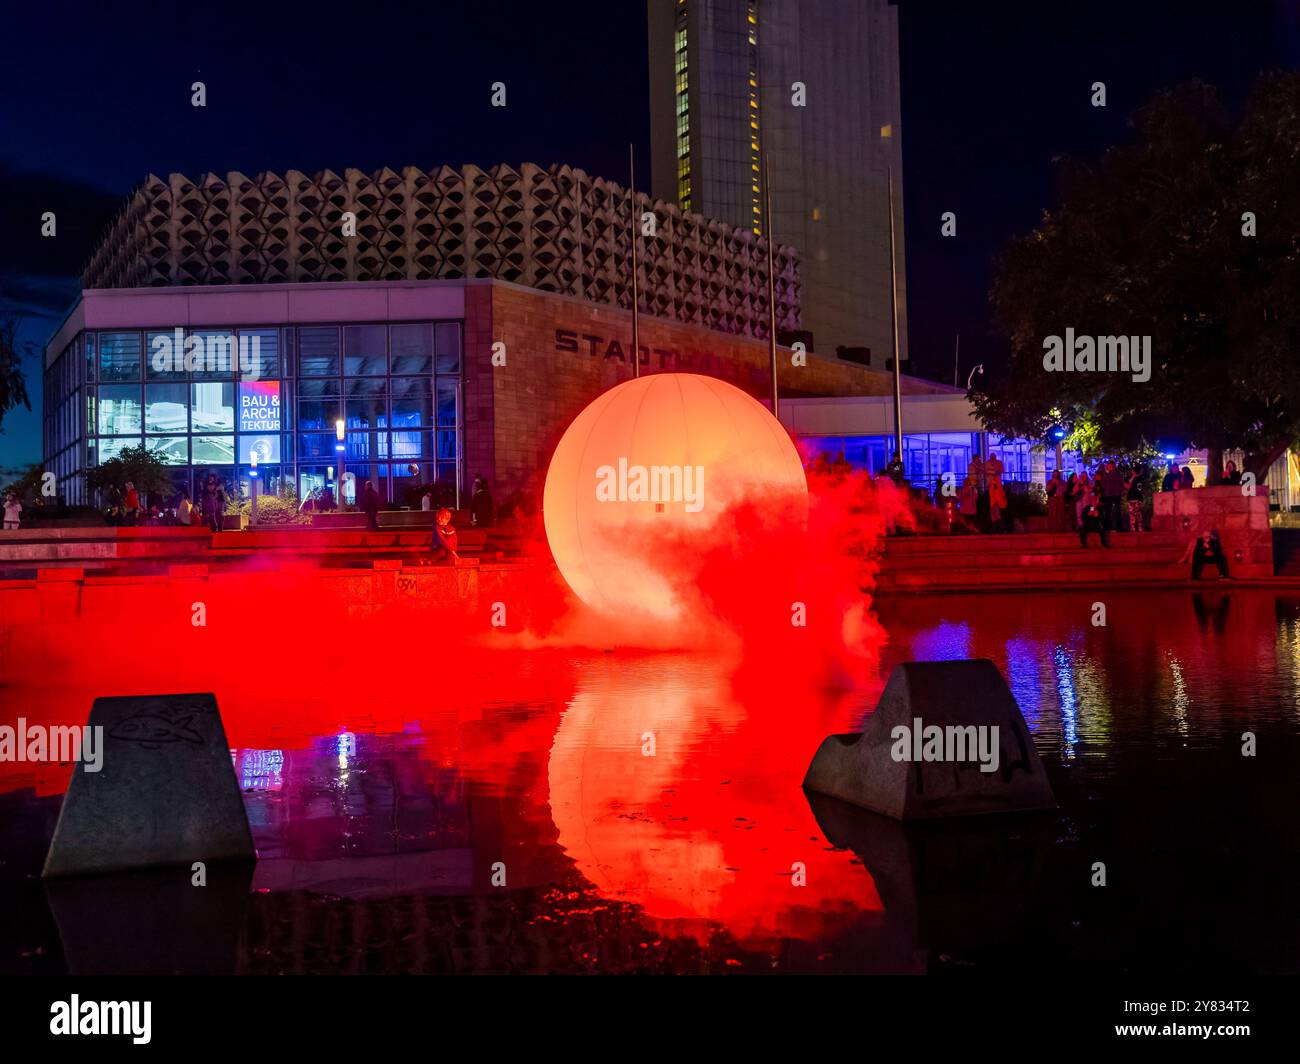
<point x="447" y="345"/>
<point x="214" y="407"/>
<point x="446" y="443"/>
<point x="318" y="351"/>
<point x="447" y="402"/>
<point x="219" y="355"/>
<point x="174" y="450"/>
<point x="165" y="409"/>
<point x="119" y="356"/>
<point x="319" y="445"/>
<point x="259" y="353"/>
<point x="412" y="444"/>
<point x="320" y="386"/>
<point x="364" y="353"/>
<point x="413" y="386"/>
<point x="164" y="360"/>
<point x="412" y="412"/>
<point x="111" y="448"/>
<point x="317" y="413"/>
<point x="119" y="409"/>
<point x="267" y="449"/>
<point x="367" y="446"/>
<point x="412" y="348"/>
<point x="367" y="413"/>
<point x="214" y="450"/>
<point x="363" y="386"/>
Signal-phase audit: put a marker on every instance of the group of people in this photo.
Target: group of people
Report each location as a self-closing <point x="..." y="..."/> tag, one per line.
<point x="482" y="507"/>
<point x="981" y="499"/>
<point x="125" y="508"/>
<point x="1109" y="501"/>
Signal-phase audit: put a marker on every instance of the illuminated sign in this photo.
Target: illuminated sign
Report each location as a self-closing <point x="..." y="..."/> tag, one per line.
<point x="259" y="421"/>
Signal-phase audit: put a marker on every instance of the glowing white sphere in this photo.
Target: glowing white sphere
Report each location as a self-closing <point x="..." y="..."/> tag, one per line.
<point x="654" y="460"/>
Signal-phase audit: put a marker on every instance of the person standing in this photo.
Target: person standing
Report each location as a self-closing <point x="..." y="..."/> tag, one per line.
<point x="1056" y="502"/>
<point x="894" y="469"/>
<point x="997" y="491"/>
<point x="1173" y="479"/>
<point x="1232" y="475"/>
<point x="13" y="511"/>
<point x="214" y="503"/>
<point x="1072" y="493"/>
<point x="185" y="509"/>
<point x="968" y="496"/>
<point x="1189" y="481"/>
<point x="1083" y="500"/>
<point x="131" y="503"/>
<point x="481" y="508"/>
<point x="1133" y="489"/>
<point x="1112" y="494"/>
<point x="1090" y="520"/>
<point x="370" y="503"/>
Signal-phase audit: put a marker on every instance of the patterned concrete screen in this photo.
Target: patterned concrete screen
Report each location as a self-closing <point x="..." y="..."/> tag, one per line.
<point x="946" y="739"/>
<point x="553" y="228"/>
<point x="166" y="793"/>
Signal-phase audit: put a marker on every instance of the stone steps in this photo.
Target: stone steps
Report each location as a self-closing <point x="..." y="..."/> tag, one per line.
<point x="1047" y="559"/>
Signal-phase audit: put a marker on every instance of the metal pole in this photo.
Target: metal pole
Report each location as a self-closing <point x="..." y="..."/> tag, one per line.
<point x="636" y="299"/>
<point x="893" y="283"/>
<point x="956" y="361"/>
<point x="771" y="287"/>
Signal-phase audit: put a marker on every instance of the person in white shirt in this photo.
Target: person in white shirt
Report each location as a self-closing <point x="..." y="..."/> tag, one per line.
<point x="185" y="509"/>
<point x="13" y="507"/>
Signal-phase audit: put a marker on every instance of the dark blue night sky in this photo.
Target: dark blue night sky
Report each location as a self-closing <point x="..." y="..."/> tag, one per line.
<point x="94" y="98"/>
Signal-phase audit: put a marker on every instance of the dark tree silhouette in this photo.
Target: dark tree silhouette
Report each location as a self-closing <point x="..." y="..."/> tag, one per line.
<point x="1155" y="239"/>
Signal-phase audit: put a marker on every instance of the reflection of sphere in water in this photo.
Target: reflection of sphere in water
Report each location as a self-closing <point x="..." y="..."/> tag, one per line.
<point x="707" y="829"/>
<point x="665" y="453"/>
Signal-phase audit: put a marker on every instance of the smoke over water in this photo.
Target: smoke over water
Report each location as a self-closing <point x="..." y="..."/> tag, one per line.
<point x="774" y="583"/>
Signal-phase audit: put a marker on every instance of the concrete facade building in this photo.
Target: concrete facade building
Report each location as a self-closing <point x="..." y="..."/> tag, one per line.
<point x="811" y="83"/>
<point x="456" y="330"/>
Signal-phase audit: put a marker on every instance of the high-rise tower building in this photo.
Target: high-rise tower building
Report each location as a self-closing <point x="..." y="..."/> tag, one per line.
<point x="811" y="83"/>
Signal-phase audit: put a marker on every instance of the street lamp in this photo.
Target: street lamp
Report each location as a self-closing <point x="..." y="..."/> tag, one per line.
<point x="252" y="480"/>
<point x="338" y="446"/>
<point x="978" y="369"/>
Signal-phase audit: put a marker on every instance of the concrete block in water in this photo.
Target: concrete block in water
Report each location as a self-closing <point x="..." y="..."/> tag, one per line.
<point x="165" y="795"/>
<point x="949" y="708"/>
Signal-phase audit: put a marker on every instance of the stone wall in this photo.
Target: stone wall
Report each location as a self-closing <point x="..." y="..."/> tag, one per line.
<point x="561" y="353"/>
<point x="1241" y="520"/>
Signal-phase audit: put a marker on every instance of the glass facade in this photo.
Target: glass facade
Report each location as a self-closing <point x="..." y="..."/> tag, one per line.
<point x="928" y="455"/>
<point x="209" y="400"/>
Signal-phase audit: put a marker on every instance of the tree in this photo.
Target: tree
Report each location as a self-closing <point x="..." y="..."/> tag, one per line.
<point x="1190" y="236"/>
<point x="13" y="384"/>
<point x="28" y="486"/>
<point x="141" y="467"/>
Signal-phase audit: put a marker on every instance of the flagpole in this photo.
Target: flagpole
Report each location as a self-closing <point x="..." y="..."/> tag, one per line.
<point x="636" y="299"/>
<point x="771" y="286"/>
<point x="886" y="134"/>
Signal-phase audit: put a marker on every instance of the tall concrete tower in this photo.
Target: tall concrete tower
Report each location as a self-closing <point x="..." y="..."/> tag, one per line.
<point x="811" y="83"/>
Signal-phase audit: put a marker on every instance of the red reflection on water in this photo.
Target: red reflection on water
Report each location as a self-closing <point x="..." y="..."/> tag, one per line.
<point x="667" y="792"/>
<point x="713" y="830"/>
